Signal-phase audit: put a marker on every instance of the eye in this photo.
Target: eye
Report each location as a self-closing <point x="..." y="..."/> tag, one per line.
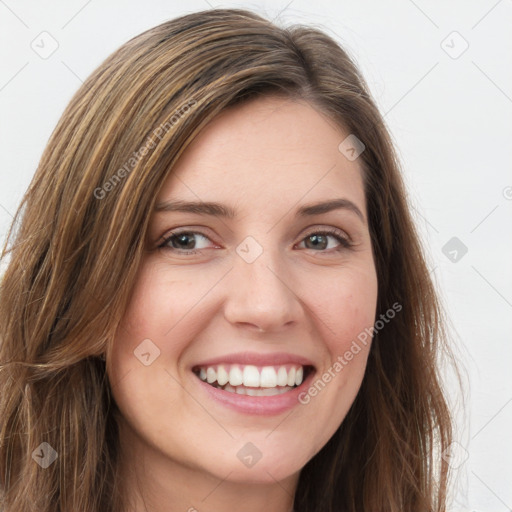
<point x="183" y="242"/>
<point x="186" y="242"/>
<point x="320" y="240"/>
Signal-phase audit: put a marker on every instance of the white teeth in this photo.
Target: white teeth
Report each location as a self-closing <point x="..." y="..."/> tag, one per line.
<point x="250" y="391"/>
<point x="222" y="375"/>
<point x="291" y="377"/>
<point x="211" y="375"/>
<point x="270" y="392"/>
<point x="268" y="377"/>
<point x="241" y="390"/>
<point x="235" y="376"/>
<point x="251" y="376"/>
<point x="282" y="376"/>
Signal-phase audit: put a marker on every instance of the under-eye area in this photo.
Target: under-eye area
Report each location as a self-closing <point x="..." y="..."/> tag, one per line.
<point x="254" y="380"/>
<point x="251" y="316"/>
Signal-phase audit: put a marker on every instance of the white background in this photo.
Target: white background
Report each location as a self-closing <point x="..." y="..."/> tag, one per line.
<point x="451" y="120"/>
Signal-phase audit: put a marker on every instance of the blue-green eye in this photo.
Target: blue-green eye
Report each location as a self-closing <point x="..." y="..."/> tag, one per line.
<point x="186" y="242"/>
<point x="320" y="239"/>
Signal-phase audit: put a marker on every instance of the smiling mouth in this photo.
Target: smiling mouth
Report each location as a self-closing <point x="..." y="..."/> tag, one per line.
<point x="253" y="380"/>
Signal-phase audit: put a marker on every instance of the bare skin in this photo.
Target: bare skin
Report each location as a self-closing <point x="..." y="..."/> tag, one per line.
<point x="302" y="295"/>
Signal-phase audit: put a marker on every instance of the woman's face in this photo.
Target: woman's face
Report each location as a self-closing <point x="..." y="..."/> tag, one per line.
<point x="255" y="297"/>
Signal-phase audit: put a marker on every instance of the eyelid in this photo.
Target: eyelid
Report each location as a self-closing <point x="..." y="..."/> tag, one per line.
<point x="196" y="229"/>
<point x="331" y="230"/>
<point x="343" y="238"/>
<point x="164" y="239"/>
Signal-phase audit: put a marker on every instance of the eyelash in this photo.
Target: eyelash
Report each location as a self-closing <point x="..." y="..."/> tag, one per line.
<point x="343" y="241"/>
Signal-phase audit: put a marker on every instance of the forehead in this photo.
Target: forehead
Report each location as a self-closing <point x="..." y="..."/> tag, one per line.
<point x="264" y="152"/>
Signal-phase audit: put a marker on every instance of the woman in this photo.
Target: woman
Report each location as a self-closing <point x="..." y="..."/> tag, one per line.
<point x="216" y="295"/>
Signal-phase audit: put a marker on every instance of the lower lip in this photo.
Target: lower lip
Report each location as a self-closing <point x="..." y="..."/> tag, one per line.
<point x="259" y="405"/>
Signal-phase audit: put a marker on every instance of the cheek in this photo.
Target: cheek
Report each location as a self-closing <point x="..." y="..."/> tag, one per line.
<point x="345" y="309"/>
<point x="345" y="306"/>
<point x="142" y="329"/>
<point x="162" y="317"/>
<point x="159" y="309"/>
<point x="152" y="335"/>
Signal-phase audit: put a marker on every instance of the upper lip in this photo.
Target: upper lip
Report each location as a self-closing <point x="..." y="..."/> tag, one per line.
<point x="256" y="359"/>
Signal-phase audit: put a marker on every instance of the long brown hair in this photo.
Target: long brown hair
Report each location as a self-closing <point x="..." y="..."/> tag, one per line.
<point x="76" y="251"/>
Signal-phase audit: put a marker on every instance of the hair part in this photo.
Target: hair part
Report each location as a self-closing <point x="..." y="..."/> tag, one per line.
<point x="75" y="256"/>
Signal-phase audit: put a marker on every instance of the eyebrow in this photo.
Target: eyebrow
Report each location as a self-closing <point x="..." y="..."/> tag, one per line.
<point x="221" y="210"/>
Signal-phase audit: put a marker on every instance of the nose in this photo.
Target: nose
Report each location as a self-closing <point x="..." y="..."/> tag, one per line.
<point x="262" y="296"/>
